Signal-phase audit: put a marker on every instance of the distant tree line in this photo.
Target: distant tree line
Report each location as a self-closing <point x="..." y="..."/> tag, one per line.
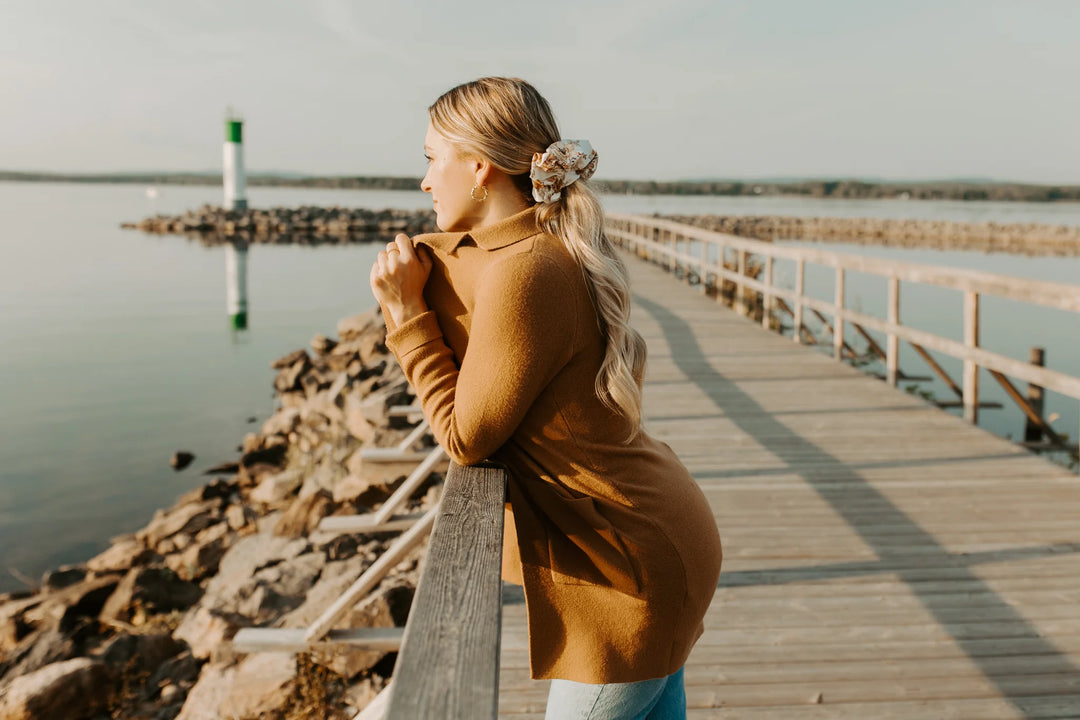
<point x="849" y="189"/>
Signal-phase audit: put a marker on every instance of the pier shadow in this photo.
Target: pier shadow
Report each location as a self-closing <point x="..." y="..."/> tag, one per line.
<point x="853" y="498"/>
<point x="831" y="571"/>
<point x="913" y="463"/>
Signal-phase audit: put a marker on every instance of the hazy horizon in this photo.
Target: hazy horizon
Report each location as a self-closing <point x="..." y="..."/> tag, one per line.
<point x="285" y="174"/>
<point x="693" y="89"/>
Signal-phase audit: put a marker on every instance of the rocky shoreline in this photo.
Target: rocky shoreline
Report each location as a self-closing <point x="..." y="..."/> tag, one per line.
<point x="142" y="630"/>
<point x="1013" y="238"/>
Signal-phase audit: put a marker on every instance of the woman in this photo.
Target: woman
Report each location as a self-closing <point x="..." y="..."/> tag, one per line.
<point x="512" y="327"/>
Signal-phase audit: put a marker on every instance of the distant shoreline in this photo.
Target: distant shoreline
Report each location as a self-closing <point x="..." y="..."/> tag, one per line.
<point x="816" y="189"/>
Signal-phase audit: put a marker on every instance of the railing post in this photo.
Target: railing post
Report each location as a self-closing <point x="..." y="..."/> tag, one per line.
<point x="838" y="317"/>
<point x="740" y="290"/>
<point x="892" y="345"/>
<point x="1032" y="432"/>
<point x="971" y="370"/>
<point x="704" y="264"/>
<point x="800" y="273"/>
<point x="448" y="667"/>
<point x="766" y="297"/>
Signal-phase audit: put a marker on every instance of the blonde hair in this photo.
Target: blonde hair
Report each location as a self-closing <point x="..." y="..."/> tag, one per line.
<point x="505" y="121"/>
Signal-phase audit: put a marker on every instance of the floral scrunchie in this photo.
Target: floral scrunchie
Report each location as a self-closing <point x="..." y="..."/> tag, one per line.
<point x="564" y="162"/>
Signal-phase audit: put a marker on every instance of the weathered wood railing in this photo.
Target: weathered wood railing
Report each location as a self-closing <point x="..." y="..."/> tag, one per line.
<point x="449" y="662"/>
<point x="668" y="243"/>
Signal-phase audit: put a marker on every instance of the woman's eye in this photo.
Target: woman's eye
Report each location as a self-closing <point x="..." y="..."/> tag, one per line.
<point x="427" y="158"/>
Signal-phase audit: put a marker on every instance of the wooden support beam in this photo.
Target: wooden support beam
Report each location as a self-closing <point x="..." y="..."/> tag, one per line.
<point x="971" y="369"/>
<point x="1033" y="417"/>
<point x="740" y="289"/>
<point x="892" y="342"/>
<point x="800" y="272"/>
<point x="938" y="369"/>
<point x="1033" y="430"/>
<point x="766" y="297"/>
<point x="838" y="320"/>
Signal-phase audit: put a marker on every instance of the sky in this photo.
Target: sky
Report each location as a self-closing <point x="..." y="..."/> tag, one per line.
<point x="663" y="89"/>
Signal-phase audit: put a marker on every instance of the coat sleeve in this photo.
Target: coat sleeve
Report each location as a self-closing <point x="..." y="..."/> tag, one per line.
<point x="522" y="333"/>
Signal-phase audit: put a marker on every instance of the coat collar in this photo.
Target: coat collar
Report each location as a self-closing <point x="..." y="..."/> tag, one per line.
<point x="490" y="237"/>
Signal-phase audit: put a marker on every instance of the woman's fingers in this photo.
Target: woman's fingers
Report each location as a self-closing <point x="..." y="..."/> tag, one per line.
<point x="405" y="246"/>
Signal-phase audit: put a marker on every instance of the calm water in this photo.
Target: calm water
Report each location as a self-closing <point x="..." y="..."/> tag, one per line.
<point x="117" y="350"/>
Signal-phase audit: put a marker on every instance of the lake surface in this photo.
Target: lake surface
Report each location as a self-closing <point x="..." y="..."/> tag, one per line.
<point x="117" y="348"/>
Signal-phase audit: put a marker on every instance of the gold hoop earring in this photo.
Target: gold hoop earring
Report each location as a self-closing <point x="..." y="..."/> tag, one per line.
<point x="472" y="193"/>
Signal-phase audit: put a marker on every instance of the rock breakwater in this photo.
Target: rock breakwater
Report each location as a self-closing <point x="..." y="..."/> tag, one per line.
<point x="1014" y="238"/>
<point x="142" y="630"/>
<point x="279" y="225"/>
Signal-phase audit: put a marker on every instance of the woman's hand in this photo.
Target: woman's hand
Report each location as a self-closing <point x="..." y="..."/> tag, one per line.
<point x="398" y="278"/>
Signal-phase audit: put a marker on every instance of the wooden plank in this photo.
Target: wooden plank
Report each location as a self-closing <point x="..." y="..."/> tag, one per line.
<point x="449" y="667"/>
<point x="837" y="692"/>
<point x="251" y="640"/>
<point x="1024" y="708"/>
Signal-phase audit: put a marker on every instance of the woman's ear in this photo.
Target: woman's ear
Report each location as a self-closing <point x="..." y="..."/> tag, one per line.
<point x="483" y="171"/>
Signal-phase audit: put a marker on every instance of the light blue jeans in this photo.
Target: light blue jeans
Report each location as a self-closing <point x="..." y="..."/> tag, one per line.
<point x="659" y="699"/>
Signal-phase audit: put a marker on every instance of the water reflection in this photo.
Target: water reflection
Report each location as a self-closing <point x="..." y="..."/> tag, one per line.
<point x="236" y="294"/>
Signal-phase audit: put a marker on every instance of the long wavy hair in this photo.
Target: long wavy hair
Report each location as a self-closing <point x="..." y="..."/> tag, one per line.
<point x="505" y="121"/>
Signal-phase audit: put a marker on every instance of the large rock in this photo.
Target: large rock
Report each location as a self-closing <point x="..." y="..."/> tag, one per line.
<point x="257" y="687"/>
<point x="279" y="588"/>
<point x="148" y="651"/>
<point x="304" y="515"/>
<point x="40" y="648"/>
<point x="64" y="608"/>
<point x="276" y="488"/>
<point x="202" y="556"/>
<point x="189" y="518"/>
<point x="282" y="422"/>
<point x="205" y="631"/>
<point x="70" y="690"/>
<point x="288" y="377"/>
<point x="149" y="591"/>
<point x="122" y="555"/>
<point x="262" y="577"/>
<point x="63" y="577"/>
<point x="355" y="326"/>
<point x="375" y="610"/>
<point x="256" y="465"/>
<point x="240" y="517"/>
<point x="289" y="360"/>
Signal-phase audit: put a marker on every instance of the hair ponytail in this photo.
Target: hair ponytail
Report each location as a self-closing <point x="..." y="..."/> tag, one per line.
<point x="578" y="220"/>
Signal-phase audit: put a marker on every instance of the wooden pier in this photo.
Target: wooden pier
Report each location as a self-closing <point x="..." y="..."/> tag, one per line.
<point x="883" y="559"/>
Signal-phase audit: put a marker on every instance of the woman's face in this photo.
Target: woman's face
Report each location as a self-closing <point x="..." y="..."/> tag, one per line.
<point x="450" y="178"/>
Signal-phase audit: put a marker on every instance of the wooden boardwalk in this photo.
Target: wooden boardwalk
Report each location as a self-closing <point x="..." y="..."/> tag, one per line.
<point x="883" y="559"/>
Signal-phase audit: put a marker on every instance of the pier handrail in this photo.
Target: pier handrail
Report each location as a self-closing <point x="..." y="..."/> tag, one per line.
<point x="654" y="237"/>
<point x="448" y="666"/>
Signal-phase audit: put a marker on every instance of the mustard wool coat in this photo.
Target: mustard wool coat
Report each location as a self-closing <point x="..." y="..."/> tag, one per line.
<point x="615" y="544"/>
